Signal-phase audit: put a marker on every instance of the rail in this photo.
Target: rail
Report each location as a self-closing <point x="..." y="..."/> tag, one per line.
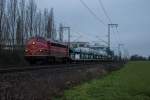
<point x="33" y="68"/>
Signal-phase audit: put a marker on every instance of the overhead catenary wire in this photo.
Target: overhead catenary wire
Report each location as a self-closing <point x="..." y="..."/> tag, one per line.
<point x="97" y="18"/>
<point x="86" y="6"/>
<point x="92" y="13"/>
<point x="106" y="14"/>
<point x="110" y="21"/>
<point x="104" y="10"/>
<point x="73" y="31"/>
<point x="83" y="35"/>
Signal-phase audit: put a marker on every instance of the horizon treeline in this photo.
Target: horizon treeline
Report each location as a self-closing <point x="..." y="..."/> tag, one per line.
<point x="21" y="19"/>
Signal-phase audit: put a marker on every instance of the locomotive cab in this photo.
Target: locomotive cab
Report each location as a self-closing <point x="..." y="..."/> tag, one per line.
<point x="40" y="49"/>
<point x="36" y="49"/>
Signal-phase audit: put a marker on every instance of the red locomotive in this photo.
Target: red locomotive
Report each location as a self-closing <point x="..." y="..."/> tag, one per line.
<point x="40" y="49"/>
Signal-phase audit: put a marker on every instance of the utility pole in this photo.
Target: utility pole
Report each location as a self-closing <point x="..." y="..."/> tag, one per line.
<point x="109" y="27"/>
<point x="119" y="50"/>
<point x="68" y="28"/>
<point x="61" y="33"/>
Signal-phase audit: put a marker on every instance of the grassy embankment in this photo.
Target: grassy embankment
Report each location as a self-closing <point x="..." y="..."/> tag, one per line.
<point x="130" y="83"/>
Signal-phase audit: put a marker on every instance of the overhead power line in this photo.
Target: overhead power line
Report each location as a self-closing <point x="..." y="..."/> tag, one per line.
<point x="104" y="10"/>
<point x="86" y="6"/>
<point x="110" y="21"/>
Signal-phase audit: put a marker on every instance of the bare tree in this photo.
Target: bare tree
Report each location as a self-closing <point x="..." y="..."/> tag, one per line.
<point x="50" y="25"/>
<point x="31" y="12"/>
<point x="19" y="31"/>
<point x="6" y="30"/>
<point x="45" y="23"/>
<point x="2" y="11"/>
<point x="12" y="13"/>
<point x="61" y="32"/>
<point x="22" y="20"/>
<point x="38" y="24"/>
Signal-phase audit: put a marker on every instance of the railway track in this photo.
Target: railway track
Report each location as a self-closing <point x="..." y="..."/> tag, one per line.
<point x="51" y="67"/>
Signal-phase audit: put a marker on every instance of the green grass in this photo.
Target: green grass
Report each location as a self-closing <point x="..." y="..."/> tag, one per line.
<point x="130" y="83"/>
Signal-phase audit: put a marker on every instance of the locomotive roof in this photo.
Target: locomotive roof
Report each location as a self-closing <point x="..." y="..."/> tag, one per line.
<point x="56" y="42"/>
<point x="48" y="39"/>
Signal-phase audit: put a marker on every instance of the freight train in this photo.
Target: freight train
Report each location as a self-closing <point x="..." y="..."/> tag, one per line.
<point x="46" y="50"/>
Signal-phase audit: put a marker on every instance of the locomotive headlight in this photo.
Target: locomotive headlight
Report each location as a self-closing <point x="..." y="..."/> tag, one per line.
<point x="33" y="43"/>
<point x="26" y="50"/>
<point x="40" y="50"/>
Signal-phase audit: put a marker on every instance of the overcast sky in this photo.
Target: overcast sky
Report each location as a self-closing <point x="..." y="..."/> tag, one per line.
<point x="132" y="16"/>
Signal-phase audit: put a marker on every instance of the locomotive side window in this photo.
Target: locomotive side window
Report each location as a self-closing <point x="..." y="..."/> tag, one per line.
<point x="58" y="45"/>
